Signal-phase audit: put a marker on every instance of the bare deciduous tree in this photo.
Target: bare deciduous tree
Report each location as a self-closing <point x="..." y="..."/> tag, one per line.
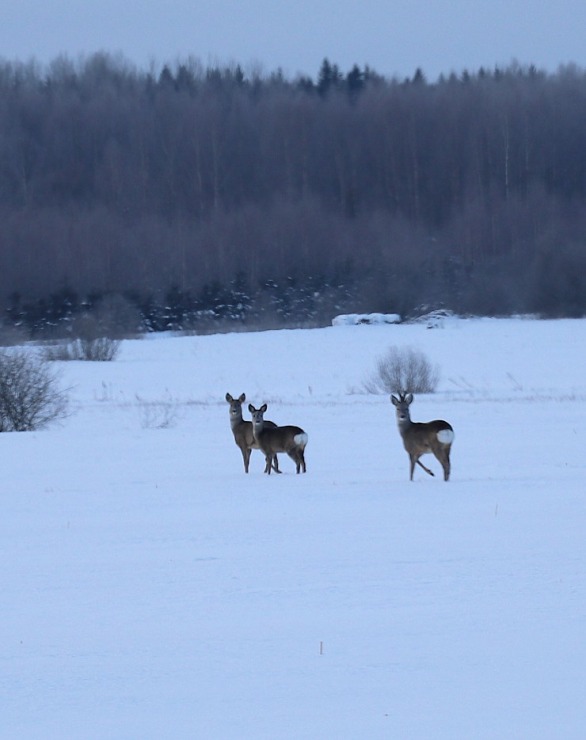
<point x="403" y="369"/>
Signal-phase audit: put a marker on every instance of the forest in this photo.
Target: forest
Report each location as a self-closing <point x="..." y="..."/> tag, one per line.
<point x="196" y="197"/>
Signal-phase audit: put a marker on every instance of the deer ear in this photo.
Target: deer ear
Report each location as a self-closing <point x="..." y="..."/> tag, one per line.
<point x="409" y="398"/>
<point x="263" y="408"/>
<point x="251" y="408"/>
<point x="242" y="398"/>
<point x="394" y="400"/>
<point x="229" y="398"/>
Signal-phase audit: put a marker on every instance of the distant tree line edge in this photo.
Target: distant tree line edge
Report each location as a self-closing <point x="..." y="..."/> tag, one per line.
<point x="198" y="198"/>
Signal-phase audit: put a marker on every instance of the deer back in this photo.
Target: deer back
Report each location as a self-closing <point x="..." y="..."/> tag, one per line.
<point x="420" y="436"/>
<point x="427" y="436"/>
<point x="273" y="439"/>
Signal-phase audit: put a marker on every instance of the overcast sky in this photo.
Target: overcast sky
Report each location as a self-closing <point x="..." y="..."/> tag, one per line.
<point x="393" y="37"/>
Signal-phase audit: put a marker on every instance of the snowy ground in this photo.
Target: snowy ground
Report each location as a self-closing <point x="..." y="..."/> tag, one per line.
<point x="150" y="589"/>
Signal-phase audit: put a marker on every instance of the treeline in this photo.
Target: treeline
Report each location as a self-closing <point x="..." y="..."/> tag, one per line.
<point x="185" y="188"/>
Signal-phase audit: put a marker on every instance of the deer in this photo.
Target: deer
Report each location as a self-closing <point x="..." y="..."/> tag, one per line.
<point x="419" y="438"/>
<point x="242" y="431"/>
<point x="289" y="439"/>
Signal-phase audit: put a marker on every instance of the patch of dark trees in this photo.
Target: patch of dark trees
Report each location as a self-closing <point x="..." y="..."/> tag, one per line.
<point x="191" y="196"/>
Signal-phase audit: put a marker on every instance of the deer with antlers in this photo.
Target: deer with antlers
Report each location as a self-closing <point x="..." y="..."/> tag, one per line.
<point x="422" y="437"/>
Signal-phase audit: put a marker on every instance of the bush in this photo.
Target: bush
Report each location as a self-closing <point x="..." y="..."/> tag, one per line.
<point x="102" y="349"/>
<point x="29" y="395"/>
<point x="89" y="344"/>
<point x="403" y="369"/>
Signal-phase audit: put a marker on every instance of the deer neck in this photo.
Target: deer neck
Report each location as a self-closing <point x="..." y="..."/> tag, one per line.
<point x="257" y="427"/>
<point x="236" y="421"/>
<point x="404" y="425"/>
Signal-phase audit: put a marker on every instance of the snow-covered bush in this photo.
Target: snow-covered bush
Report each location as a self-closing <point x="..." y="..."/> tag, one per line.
<point x="353" y="319"/>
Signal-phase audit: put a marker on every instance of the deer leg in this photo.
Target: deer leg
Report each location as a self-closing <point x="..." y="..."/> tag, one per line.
<point x="446" y="467"/>
<point x="445" y="461"/>
<point x="427" y="470"/>
<point x="295" y="455"/>
<point x="275" y="463"/>
<point x="302" y="460"/>
<point x="443" y="455"/>
<point x="246" y="457"/>
<point x="268" y="463"/>
<point x="299" y="462"/>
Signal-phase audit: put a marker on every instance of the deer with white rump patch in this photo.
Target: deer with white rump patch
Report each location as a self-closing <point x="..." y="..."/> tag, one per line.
<point x="419" y="438"/>
<point x="289" y="439"/>
<point x="243" y="433"/>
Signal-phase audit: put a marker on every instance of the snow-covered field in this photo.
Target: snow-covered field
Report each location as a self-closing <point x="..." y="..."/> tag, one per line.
<point x="150" y="589"/>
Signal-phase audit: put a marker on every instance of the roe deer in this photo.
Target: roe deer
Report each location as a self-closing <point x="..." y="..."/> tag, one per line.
<point x="242" y="431"/>
<point x="289" y="439"/>
<point x="418" y="438"/>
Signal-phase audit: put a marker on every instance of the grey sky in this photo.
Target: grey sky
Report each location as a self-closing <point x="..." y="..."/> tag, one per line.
<point x="392" y="36"/>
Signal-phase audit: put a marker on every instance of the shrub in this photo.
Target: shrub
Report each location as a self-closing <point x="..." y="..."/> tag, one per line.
<point x="403" y="369"/>
<point x="92" y="342"/>
<point x="29" y="394"/>
<point x="102" y="349"/>
<point x="89" y="344"/>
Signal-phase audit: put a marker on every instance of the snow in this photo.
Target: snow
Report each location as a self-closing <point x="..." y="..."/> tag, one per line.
<point x="351" y="319"/>
<point x="151" y="589"/>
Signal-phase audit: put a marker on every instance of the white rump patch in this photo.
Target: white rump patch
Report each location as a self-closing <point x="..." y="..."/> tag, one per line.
<point x="445" y="436"/>
<point x="301" y="439"/>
